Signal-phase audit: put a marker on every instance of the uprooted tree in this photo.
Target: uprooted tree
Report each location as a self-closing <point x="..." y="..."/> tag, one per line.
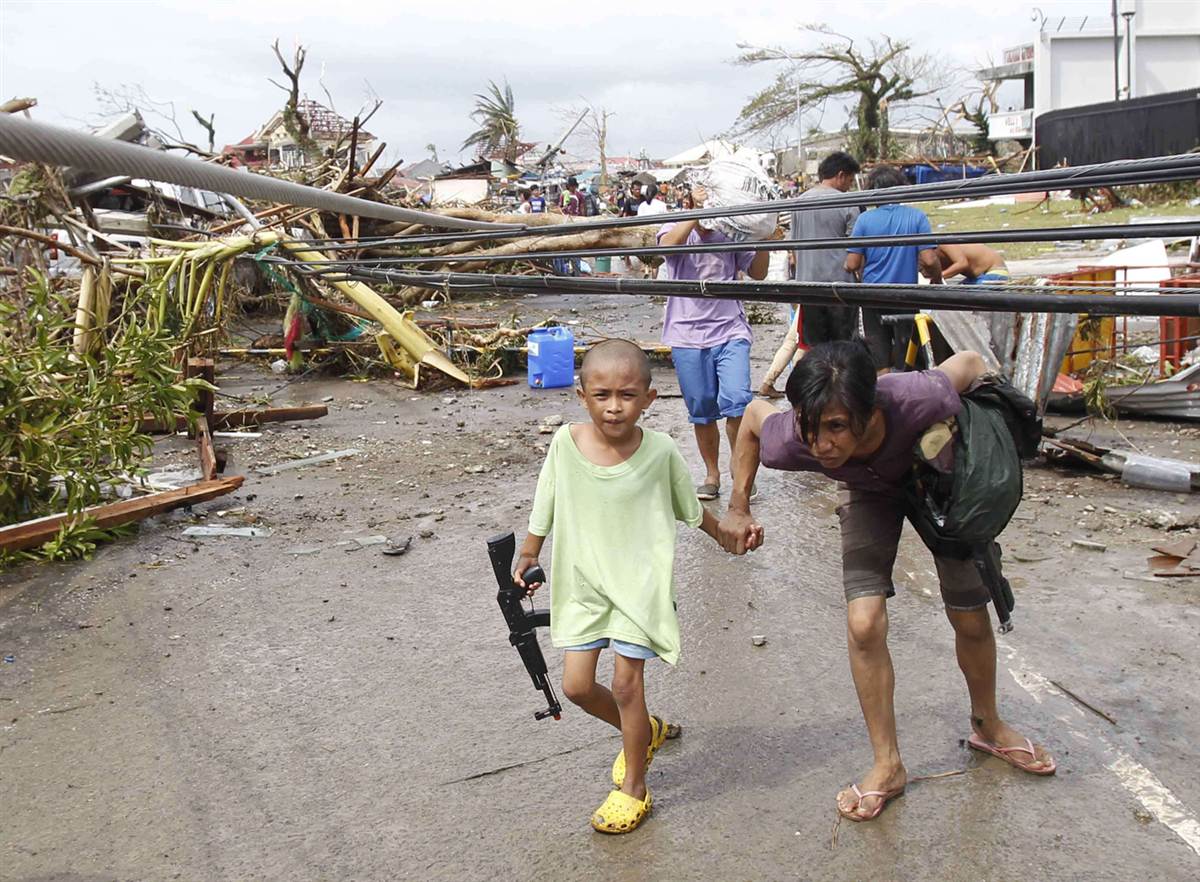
<point x="874" y="74"/>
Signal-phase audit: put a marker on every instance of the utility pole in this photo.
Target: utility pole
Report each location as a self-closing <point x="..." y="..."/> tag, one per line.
<point x="1116" y="56"/>
<point x="1128" y="16"/>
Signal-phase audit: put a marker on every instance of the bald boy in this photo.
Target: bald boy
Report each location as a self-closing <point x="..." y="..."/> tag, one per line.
<point x="612" y="492"/>
<point x="621" y="355"/>
<point x="977" y="264"/>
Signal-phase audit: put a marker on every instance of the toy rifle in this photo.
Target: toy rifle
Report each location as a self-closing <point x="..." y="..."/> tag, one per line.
<point x="522" y="622"/>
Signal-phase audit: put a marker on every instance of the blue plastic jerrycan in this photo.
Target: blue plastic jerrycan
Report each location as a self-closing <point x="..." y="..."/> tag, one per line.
<point x="551" y="358"/>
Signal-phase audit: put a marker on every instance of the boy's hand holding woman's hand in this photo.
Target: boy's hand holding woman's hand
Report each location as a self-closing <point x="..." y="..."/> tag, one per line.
<point x="738" y="532"/>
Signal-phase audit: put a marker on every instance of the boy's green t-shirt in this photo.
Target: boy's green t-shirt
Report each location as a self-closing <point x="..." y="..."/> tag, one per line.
<point x="614" y="542"/>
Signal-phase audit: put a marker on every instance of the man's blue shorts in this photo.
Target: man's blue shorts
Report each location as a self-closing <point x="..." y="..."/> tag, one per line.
<point x="620" y="647"/>
<point x="715" y="382"/>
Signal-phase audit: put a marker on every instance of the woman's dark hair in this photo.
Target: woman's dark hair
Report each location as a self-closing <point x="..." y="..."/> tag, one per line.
<point x="840" y="372"/>
<point x="882" y="176"/>
<point x="836" y="163"/>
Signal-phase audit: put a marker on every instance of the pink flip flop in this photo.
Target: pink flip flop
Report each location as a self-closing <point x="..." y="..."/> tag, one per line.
<point x="1006" y="754"/>
<point x="885" y="796"/>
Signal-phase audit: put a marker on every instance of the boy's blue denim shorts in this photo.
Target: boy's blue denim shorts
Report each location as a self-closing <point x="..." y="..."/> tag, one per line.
<point x="715" y="382"/>
<point x="620" y="647"/>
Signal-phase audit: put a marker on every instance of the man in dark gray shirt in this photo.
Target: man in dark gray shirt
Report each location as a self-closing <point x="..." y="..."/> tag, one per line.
<point x="819" y="324"/>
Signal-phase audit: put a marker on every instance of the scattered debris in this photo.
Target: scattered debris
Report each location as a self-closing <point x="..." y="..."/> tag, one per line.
<point x="1173" y="559"/>
<point x="1170" y="521"/>
<point x="1152" y="472"/>
<point x="1026" y="557"/>
<point x="171" y="478"/>
<point x="396" y="548"/>
<point x="758" y="640"/>
<point x="1089" y="545"/>
<point x="1085" y="704"/>
<point x="221" y="530"/>
<point x="267" y="471"/>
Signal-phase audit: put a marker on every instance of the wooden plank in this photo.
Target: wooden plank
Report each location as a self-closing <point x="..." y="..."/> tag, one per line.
<point x="245" y="419"/>
<point x="31" y="534"/>
<point x="204" y="369"/>
<point x="204" y="443"/>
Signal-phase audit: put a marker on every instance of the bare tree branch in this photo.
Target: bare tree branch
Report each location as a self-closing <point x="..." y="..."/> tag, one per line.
<point x="207" y="124"/>
<point x="159" y="117"/>
<point x="293" y="120"/>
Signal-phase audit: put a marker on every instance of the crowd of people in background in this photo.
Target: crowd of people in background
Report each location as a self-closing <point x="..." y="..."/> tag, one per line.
<point x="837" y="173"/>
<point x="641" y="195"/>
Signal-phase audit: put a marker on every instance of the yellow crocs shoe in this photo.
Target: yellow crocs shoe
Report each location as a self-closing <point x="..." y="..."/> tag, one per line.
<point x="660" y="732"/>
<point x="621" y="813"/>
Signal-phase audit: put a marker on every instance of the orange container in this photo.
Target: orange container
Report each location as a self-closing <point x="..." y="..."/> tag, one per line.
<point x="1174" y="331"/>
<point x="1093" y="333"/>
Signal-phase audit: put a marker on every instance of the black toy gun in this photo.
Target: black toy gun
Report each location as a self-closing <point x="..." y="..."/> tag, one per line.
<point x="522" y="622"/>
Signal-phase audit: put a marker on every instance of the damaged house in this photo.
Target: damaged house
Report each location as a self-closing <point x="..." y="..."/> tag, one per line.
<point x="275" y="147"/>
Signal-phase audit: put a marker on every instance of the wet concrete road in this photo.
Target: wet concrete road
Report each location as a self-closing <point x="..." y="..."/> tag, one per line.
<point x="228" y="710"/>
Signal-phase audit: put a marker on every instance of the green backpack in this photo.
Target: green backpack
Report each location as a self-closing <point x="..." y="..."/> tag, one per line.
<point x="967" y="481"/>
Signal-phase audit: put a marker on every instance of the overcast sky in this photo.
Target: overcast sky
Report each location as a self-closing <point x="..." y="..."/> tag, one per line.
<point x="664" y="73"/>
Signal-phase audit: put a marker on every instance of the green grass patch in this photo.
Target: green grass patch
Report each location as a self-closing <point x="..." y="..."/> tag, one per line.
<point x="1027" y="215"/>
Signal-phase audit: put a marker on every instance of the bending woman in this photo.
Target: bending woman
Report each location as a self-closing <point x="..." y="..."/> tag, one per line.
<point x="860" y="431"/>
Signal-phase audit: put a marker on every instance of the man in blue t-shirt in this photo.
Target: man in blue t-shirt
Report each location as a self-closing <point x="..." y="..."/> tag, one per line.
<point x="890" y="265"/>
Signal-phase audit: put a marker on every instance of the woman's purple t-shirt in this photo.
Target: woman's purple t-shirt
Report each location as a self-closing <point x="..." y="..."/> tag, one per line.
<point x="911" y="403"/>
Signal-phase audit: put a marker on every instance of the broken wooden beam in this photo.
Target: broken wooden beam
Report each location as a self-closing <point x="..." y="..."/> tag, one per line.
<point x="241" y="419"/>
<point x="30" y="534"/>
<point x="248" y="419"/>
<point x="204" y="443"/>
<point x="204" y="369"/>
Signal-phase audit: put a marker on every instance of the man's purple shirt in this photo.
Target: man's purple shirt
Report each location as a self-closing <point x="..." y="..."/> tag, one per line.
<point x="699" y="323"/>
<point x="911" y="403"/>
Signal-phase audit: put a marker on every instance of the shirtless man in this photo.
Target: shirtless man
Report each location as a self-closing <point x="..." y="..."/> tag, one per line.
<point x="977" y="264"/>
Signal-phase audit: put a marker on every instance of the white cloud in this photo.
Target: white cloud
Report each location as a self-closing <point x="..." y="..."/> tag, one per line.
<point x="665" y="72"/>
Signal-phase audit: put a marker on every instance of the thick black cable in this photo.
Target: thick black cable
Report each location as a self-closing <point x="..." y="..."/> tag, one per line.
<point x="1113" y="174"/>
<point x="38" y="142"/>
<point x="985" y="298"/>
<point x="1179" y="229"/>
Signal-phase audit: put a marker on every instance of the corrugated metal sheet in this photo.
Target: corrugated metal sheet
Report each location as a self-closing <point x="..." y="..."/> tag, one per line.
<point x="1028" y="348"/>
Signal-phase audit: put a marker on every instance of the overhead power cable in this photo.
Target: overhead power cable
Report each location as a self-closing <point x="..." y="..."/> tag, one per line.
<point x="985" y="298"/>
<point x="38" y="142"/>
<point x="1049" y="234"/>
<point x="1110" y="174"/>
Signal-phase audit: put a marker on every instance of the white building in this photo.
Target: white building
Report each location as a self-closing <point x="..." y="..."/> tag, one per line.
<point x="1077" y="60"/>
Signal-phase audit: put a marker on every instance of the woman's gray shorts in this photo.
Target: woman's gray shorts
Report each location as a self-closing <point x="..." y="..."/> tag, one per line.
<point x="871" y="525"/>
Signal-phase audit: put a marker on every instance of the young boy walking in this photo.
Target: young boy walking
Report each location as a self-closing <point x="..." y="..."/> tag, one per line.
<point x="612" y="492"/>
